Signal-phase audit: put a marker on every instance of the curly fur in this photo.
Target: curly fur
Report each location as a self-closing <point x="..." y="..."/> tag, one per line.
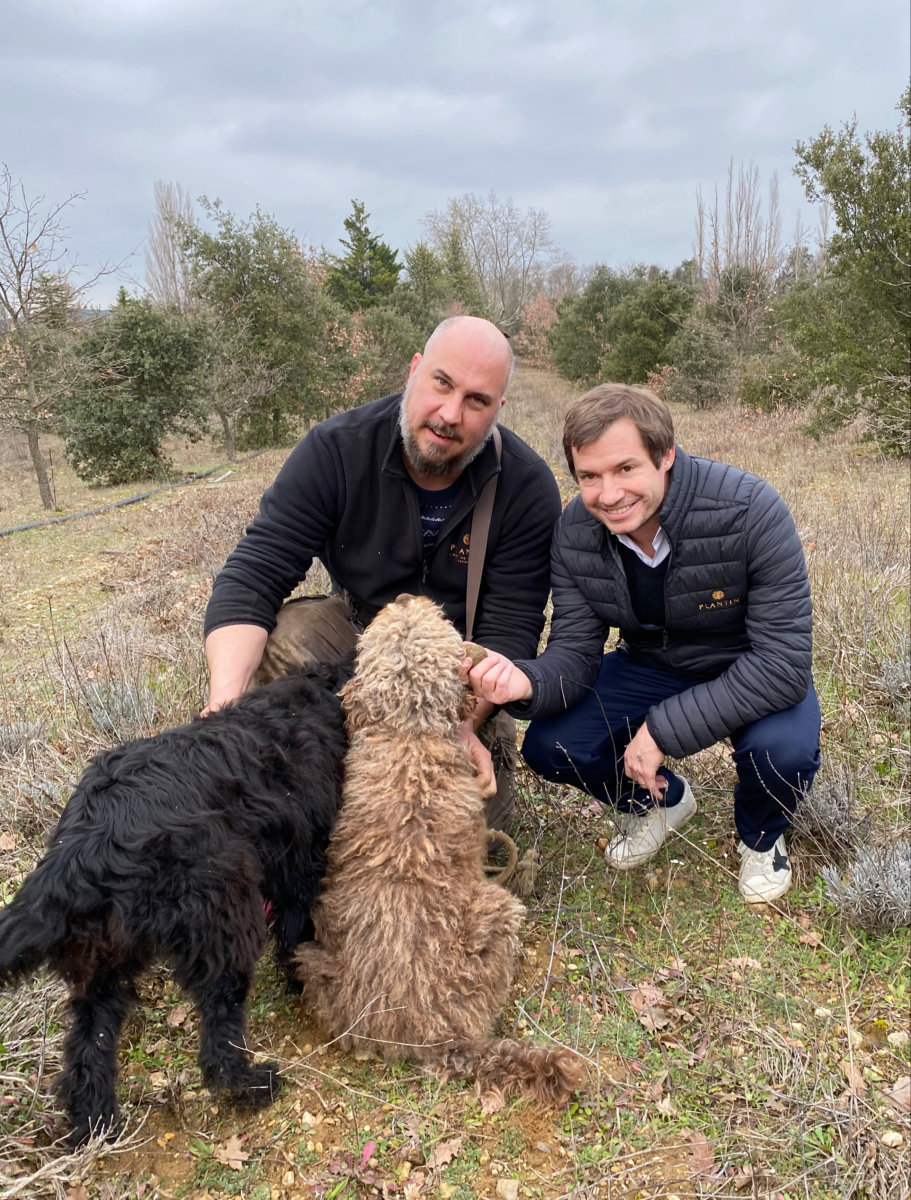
<point x="167" y="849"/>
<point x="414" y="948"/>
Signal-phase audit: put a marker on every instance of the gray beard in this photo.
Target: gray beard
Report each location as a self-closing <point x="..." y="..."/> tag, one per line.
<point x="434" y="464"/>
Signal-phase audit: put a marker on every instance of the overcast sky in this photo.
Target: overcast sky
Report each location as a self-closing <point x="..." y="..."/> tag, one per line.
<point x="608" y="114"/>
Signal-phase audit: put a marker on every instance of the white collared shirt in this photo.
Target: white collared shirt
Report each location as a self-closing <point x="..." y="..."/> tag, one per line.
<point x="660" y="545"/>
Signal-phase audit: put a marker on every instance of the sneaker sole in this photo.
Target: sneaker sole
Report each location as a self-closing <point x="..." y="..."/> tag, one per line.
<point x="753" y="898"/>
<point x="640" y="860"/>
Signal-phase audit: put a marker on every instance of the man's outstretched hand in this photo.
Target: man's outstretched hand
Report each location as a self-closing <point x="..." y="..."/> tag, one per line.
<point x="498" y="680"/>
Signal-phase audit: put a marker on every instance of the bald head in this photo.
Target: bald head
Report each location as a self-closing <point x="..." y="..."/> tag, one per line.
<point x="480" y="337"/>
<point x="455" y="390"/>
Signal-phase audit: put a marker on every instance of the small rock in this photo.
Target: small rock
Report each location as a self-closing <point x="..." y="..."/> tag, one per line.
<point x="508" y="1189"/>
<point x="412" y="1152"/>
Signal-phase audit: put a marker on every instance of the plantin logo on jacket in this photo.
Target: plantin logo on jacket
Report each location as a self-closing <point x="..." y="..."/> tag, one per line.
<point x="719" y="600"/>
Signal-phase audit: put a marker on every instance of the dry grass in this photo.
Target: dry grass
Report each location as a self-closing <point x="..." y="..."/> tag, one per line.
<point x="731" y="1053"/>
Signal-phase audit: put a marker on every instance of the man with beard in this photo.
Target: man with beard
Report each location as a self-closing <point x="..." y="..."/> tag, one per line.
<point x="383" y="495"/>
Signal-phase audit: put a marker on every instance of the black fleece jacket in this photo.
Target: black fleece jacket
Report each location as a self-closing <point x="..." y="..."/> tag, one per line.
<point x="737" y="608"/>
<point x="343" y="496"/>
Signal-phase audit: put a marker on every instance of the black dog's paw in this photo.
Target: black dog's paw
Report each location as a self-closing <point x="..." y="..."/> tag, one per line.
<point x="290" y="978"/>
<point x="85" y="1127"/>
<point x="263" y="1086"/>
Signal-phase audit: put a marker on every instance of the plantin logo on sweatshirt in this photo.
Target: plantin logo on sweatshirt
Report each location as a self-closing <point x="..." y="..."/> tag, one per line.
<point x="459" y="553"/>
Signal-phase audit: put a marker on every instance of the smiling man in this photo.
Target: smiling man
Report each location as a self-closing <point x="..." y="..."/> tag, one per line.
<point x="383" y="495"/>
<point x="699" y="567"/>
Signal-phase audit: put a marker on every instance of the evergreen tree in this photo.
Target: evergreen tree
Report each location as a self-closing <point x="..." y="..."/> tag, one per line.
<point x="253" y="275"/>
<point x="368" y="271"/>
<point x="463" y="284"/>
<point x="580" y="339"/>
<point x="424" y="297"/>
<point x="852" y="327"/>
<point x="142" y="385"/>
<point x="640" y="327"/>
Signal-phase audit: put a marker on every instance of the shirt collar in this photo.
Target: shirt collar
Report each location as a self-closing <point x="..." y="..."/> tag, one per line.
<point x="660" y="545"/>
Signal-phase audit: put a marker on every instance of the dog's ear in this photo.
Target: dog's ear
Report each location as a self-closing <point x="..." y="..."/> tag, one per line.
<point x="468" y="705"/>
<point x="352" y="707"/>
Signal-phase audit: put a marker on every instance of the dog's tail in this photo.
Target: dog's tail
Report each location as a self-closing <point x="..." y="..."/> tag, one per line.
<point x="515" y="1069"/>
<point x="31" y="927"/>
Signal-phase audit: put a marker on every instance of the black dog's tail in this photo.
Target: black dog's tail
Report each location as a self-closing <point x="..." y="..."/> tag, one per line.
<point x="515" y="1069"/>
<point x="33" y="924"/>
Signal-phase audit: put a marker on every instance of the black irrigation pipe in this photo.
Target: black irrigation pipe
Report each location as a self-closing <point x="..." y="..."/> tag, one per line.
<point x="165" y="487"/>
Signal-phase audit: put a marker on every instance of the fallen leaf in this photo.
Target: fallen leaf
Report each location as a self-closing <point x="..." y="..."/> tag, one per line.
<point x="701" y="1160"/>
<point x="492" y="1102"/>
<point x="8" y="842"/>
<point x="368" y="1153"/>
<point x="856" y="1081"/>
<point x="745" y="964"/>
<point x="644" y="996"/>
<point x="653" y="1017"/>
<point x="700" y="1052"/>
<point x="177" y="1016"/>
<point x="649" y="1005"/>
<point x="899" y="1095"/>
<point x="810" y="939"/>
<point x="77" y="1193"/>
<point x="444" y="1152"/>
<point x="232" y="1153"/>
<point x="666" y="1107"/>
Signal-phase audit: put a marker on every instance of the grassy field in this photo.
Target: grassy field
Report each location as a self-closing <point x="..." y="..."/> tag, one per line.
<point x="731" y="1052"/>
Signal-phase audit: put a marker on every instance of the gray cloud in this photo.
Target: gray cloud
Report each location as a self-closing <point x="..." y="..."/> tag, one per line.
<point x="609" y="116"/>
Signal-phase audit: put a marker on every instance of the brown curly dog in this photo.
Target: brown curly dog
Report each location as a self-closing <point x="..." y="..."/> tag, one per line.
<point x="414" y="948"/>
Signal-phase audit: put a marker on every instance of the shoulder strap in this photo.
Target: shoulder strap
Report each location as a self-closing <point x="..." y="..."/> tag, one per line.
<point x="477" y="546"/>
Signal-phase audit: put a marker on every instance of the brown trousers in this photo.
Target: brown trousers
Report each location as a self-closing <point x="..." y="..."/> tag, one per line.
<point x="318" y="629"/>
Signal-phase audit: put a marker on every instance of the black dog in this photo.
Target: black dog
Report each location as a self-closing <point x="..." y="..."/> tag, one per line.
<point x="172" y="847"/>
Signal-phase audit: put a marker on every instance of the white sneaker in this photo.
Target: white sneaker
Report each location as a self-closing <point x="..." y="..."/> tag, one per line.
<point x="641" y="838"/>
<point x="764" y="874"/>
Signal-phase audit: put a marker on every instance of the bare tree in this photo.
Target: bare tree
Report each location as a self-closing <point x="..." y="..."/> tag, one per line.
<point x="738" y="251"/>
<point x="167" y="266"/>
<point x="40" y="315"/>
<point x="564" y="277"/>
<point x="508" y="251"/>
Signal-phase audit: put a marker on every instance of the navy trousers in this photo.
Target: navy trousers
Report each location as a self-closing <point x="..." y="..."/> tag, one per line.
<point x="776" y="757"/>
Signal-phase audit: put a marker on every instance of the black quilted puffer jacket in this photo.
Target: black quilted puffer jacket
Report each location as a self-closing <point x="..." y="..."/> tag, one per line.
<point x="737" y="608"/>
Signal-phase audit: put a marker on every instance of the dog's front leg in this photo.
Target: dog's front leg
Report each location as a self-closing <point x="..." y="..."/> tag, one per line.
<point x="223" y="1057"/>
<point x="86" y="1085"/>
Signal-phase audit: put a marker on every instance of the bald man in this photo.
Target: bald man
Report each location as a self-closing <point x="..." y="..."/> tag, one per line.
<point x="383" y="495"/>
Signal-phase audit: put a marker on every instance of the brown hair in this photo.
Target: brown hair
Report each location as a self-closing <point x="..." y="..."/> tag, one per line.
<point x="589" y="416"/>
